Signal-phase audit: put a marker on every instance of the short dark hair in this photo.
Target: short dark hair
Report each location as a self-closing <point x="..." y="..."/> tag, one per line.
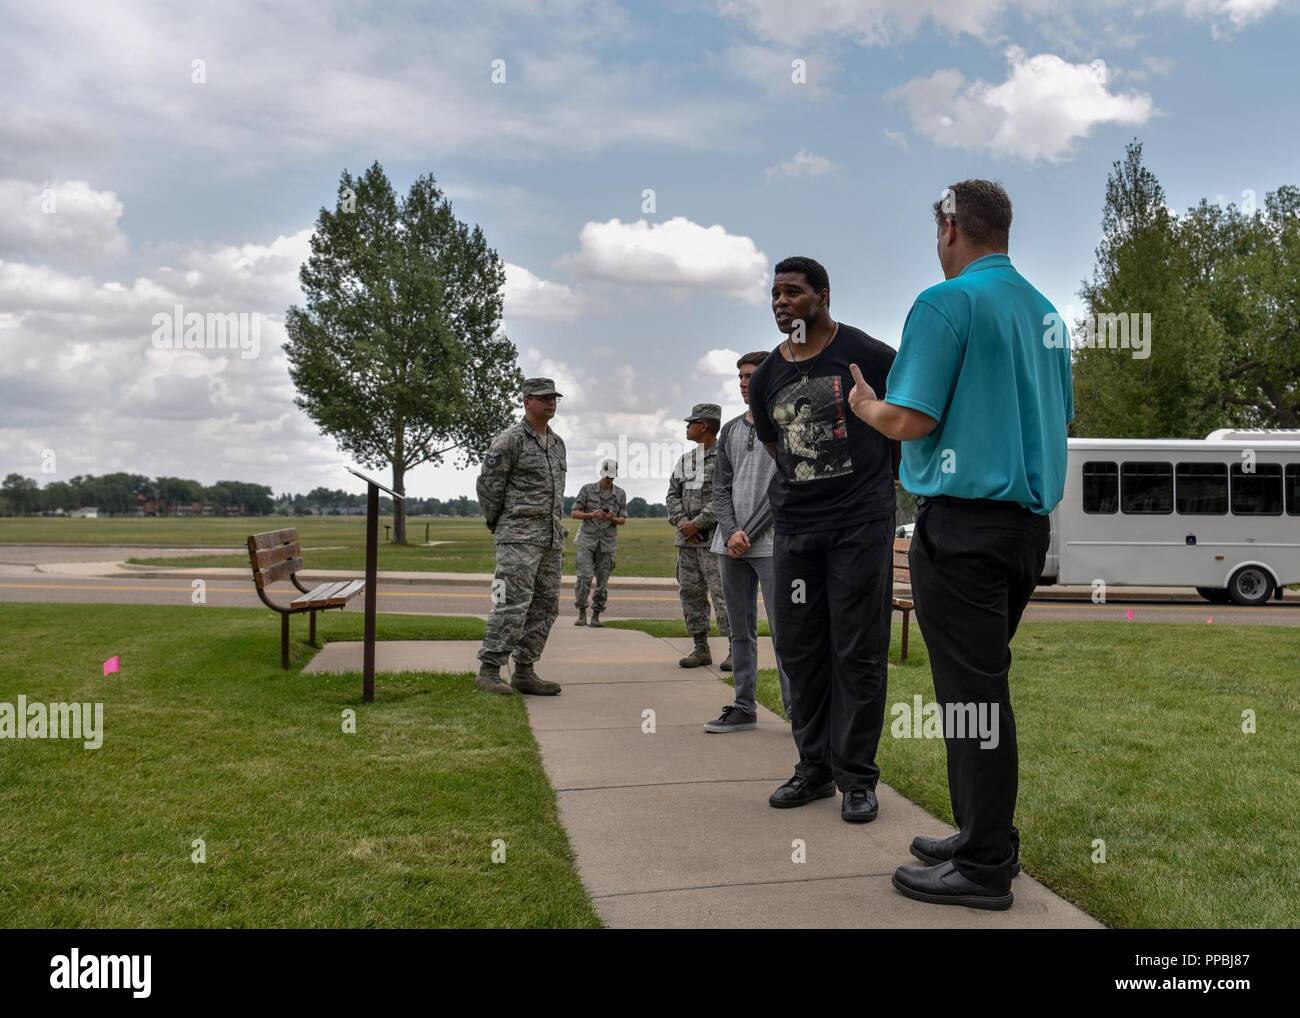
<point x="811" y="269"/>
<point x="982" y="210"/>
<point x="756" y="358"/>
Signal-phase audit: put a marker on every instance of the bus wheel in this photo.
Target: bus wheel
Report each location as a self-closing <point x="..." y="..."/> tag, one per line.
<point x="1215" y="595"/>
<point x="1250" y="585"/>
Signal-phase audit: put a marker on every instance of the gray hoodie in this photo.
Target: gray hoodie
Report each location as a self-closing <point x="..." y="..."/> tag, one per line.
<point x="741" y="478"/>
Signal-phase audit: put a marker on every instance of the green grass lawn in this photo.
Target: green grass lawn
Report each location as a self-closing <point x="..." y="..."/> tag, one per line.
<point x="645" y="546"/>
<point x="206" y="738"/>
<point x="1133" y="735"/>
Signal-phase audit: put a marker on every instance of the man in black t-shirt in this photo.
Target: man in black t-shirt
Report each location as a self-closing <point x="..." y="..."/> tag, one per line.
<point x="833" y="509"/>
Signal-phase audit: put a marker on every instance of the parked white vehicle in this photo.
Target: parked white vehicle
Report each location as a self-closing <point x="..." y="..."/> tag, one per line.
<point x="1220" y="514"/>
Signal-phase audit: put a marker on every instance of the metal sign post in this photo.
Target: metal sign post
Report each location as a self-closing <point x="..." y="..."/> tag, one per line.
<point x="372" y="579"/>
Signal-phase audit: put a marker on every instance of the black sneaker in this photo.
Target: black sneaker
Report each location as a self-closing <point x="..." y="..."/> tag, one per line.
<point x="859" y="806"/>
<point x="733" y="719"/>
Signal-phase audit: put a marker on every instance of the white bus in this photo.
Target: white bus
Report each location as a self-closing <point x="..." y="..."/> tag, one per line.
<point x="1220" y="514"/>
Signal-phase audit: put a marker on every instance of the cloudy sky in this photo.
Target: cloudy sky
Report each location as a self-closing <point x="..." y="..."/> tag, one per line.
<point x="161" y="154"/>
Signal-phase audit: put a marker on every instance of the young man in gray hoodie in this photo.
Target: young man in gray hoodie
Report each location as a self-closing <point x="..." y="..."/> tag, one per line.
<point x="743" y="542"/>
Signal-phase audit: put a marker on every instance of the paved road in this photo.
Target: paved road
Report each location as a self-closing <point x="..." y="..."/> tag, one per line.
<point x="19" y="584"/>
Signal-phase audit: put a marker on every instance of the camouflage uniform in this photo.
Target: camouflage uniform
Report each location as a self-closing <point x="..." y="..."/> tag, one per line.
<point x="521" y="490"/>
<point x="690" y="497"/>
<point x="597" y="542"/>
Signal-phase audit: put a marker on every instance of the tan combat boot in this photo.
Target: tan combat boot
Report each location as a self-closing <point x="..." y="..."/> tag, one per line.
<point x="581" y="620"/>
<point x="528" y="681"/>
<point x="488" y="679"/>
<point x="700" y="655"/>
<point x="595" y="620"/>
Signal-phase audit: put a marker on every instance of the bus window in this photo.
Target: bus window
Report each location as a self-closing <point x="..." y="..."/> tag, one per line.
<point x="1293" y="489"/>
<point x="1147" y="488"/>
<point x="1202" y="489"/>
<point x="1100" y="487"/>
<point x="1258" y="493"/>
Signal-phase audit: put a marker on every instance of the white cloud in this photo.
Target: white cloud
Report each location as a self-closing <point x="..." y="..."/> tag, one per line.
<point x="80" y="375"/>
<point x="529" y="296"/>
<point x="676" y="253"/>
<point x="294" y="81"/>
<point x="803" y="164"/>
<point x="60" y="217"/>
<point x="1041" y="111"/>
<point x="773" y="70"/>
<point x="718" y="362"/>
<point x="869" y="22"/>
<point x="1224" y="15"/>
<point x="886" y="22"/>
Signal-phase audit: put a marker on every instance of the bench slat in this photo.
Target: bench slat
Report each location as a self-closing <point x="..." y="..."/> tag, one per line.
<point x="271" y="538"/>
<point x="346" y="593"/>
<point x="264" y="558"/>
<point x="279" y="571"/>
<point x="318" y="594"/>
<point x="329" y="595"/>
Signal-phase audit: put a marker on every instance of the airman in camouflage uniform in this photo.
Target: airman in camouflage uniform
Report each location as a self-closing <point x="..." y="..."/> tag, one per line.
<point x="690" y="510"/>
<point x="602" y="507"/>
<point x="521" y="490"/>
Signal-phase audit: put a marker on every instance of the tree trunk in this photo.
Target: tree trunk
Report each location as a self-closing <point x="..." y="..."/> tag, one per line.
<point x="399" y="481"/>
<point x="399" y="505"/>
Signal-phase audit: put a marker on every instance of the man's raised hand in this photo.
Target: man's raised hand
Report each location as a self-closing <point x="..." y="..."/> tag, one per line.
<point x="861" y="394"/>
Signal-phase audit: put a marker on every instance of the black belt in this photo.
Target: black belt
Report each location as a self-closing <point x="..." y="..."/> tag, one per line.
<point x="981" y="503"/>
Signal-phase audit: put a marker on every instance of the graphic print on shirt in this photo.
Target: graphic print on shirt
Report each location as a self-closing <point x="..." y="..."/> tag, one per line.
<point x="813" y="430"/>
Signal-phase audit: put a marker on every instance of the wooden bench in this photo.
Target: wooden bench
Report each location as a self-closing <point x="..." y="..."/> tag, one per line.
<point x="277" y="555"/>
<point x="903" y="576"/>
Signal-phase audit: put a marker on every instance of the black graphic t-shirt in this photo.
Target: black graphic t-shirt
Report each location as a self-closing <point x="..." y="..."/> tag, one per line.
<point x="833" y="469"/>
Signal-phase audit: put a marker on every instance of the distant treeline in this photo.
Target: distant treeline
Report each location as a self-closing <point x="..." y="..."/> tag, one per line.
<point x="137" y="495"/>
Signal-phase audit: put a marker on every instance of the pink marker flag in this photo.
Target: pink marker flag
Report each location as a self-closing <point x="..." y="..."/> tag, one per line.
<point x="111" y="665"/>
<point x="1210" y="620"/>
<point x="1129" y="614"/>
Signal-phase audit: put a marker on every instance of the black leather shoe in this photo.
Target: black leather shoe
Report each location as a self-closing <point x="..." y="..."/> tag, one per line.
<point x="859" y="806"/>
<point x="933" y="851"/>
<point x="798" y="792"/>
<point x="944" y="885"/>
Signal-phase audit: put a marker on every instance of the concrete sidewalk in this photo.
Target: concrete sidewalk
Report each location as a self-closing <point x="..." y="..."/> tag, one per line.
<point x="671" y="828"/>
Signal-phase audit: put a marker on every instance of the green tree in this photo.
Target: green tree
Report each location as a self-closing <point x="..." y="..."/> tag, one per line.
<point x="1145" y="266"/>
<point x="1222" y="286"/>
<point x="58" y="495"/>
<point x="20" y="494"/>
<point x="397" y="353"/>
<point x="177" y="491"/>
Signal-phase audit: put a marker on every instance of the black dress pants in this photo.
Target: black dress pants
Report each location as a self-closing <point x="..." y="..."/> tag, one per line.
<point x="832" y="609"/>
<point x="974" y="566"/>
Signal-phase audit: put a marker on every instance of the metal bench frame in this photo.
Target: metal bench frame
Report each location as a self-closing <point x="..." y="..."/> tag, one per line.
<point x="277" y="555"/>
<point x="903" y="573"/>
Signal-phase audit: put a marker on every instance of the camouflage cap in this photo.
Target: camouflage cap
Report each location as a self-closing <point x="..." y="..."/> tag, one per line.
<point x="540" y="387"/>
<point x="705" y="412"/>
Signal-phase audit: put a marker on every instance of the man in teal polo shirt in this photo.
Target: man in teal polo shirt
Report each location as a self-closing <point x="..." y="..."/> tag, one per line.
<point x="980" y="395"/>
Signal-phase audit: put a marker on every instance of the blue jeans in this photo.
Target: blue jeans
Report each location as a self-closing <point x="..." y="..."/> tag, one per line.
<point x="741" y="579"/>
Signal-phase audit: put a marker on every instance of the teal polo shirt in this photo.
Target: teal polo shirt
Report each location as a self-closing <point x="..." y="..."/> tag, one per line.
<point x="979" y="356"/>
